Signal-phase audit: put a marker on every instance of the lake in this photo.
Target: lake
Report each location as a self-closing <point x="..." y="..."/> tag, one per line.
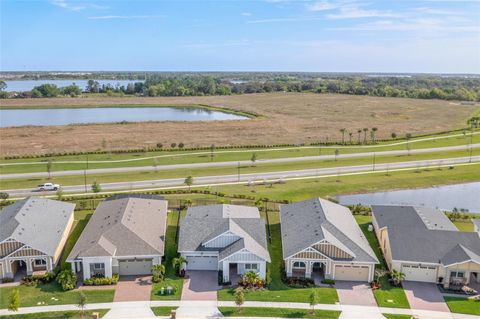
<point x="28" y="85"/>
<point x="65" y="116"/>
<point x="466" y="196"/>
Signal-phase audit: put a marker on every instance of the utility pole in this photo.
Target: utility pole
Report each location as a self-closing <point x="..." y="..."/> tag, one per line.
<point x="471" y="142"/>
<point x="87" y="160"/>
<point x="85" y="179"/>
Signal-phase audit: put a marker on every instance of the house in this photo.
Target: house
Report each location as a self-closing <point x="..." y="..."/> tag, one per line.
<point x="229" y="238"/>
<point x="321" y="239"/>
<point x="125" y="235"/>
<point x="426" y="246"/>
<point x="476" y="225"/>
<point x="33" y="232"/>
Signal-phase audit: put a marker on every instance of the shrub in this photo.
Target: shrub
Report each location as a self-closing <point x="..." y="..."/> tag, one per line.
<point x="67" y="279"/>
<point x="7" y="280"/>
<point x="298" y="282"/>
<point x="101" y="281"/>
<point x="251" y="280"/>
<point x="328" y="281"/>
<point x="32" y="280"/>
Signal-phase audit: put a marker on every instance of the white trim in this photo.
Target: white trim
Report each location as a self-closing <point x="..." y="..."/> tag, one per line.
<point x="323" y="241"/>
<point x="463" y="262"/>
<point x="243" y="250"/>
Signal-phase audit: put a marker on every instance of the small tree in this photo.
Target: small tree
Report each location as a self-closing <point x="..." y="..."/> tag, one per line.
<point x="59" y="193"/>
<point x="373" y="132"/>
<point x="343" y="130"/>
<point x="397" y="277"/>
<point x="14" y="301"/>
<point x="82" y="303"/>
<point x="253" y="159"/>
<point x="178" y="263"/>
<point x="4" y="196"/>
<point x="212" y="151"/>
<point x="337" y="152"/>
<point x="104" y="144"/>
<point x="67" y="279"/>
<point x="158" y="272"/>
<point x="159" y="145"/>
<point x="181" y="145"/>
<point x="313" y="299"/>
<point x="394" y="135"/>
<point x="239" y="298"/>
<point x="189" y="182"/>
<point x="173" y="145"/>
<point x="49" y="168"/>
<point x="96" y="188"/>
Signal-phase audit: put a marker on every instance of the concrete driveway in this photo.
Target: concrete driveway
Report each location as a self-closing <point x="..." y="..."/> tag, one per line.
<point x="355" y="293"/>
<point x="200" y="285"/>
<point x="133" y="288"/>
<point x="424" y="296"/>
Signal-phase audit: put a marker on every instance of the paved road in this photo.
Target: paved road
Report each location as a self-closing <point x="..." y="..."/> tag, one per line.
<point x="267" y="176"/>
<point x="233" y="163"/>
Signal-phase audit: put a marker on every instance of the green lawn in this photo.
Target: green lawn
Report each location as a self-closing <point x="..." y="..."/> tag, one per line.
<point x="81" y="219"/>
<point x="388" y="295"/>
<point x="392" y="316"/>
<point x="163" y="311"/>
<point x="278" y="312"/>
<point x="227" y="170"/>
<point x="278" y="291"/>
<point x="183" y="157"/>
<point x="52" y="294"/>
<point x="170" y="253"/>
<point x="57" y="315"/>
<point x="464" y="225"/>
<point x="463" y="305"/>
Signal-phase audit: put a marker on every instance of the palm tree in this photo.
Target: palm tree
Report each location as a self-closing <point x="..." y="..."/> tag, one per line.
<point x="178" y="263"/>
<point x="365" y="130"/>
<point x="250" y="279"/>
<point x="343" y="130"/>
<point x="158" y="272"/>
<point x="397" y="277"/>
<point x="374" y="130"/>
<point x="359" y="132"/>
<point x="350" y="134"/>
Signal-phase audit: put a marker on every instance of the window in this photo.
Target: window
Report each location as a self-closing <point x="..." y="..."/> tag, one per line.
<point x="457" y="274"/>
<point x="98" y="266"/>
<point x="251" y="266"/>
<point x="299" y="264"/>
<point x="40" y="262"/>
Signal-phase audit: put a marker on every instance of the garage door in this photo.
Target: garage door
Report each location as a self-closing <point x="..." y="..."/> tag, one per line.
<point x="202" y="263"/>
<point x="135" y="267"/>
<point x="420" y="273"/>
<point x="353" y="273"/>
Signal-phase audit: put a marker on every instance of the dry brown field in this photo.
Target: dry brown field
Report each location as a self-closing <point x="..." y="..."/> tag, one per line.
<point x="292" y="118"/>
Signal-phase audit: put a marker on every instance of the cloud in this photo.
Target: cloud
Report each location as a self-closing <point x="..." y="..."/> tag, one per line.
<point x="322" y="6"/>
<point x="76" y="7"/>
<point x="246" y="14"/>
<point x="111" y="17"/>
<point x="355" y="12"/>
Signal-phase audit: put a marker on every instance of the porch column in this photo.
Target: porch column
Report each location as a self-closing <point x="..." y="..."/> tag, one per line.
<point x="8" y="268"/>
<point x="74" y="268"/>
<point x="308" y="269"/>
<point x="49" y="264"/>
<point x="262" y="271"/>
<point x="86" y="270"/>
<point x="226" y="271"/>
<point x="288" y="267"/>
<point x="108" y="268"/>
<point x="29" y="265"/>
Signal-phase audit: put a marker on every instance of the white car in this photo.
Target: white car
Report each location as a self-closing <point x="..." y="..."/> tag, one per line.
<point x="48" y="187"/>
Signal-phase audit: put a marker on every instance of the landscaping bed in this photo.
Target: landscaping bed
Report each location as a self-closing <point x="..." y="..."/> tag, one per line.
<point x="278" y="312"/>
<point x="58" y="315"/>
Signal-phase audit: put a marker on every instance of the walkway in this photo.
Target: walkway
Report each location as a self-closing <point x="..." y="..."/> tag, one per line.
<point x="361" y="310"/>
<point x="424" y="296"/>
<point x="133" y="288"/>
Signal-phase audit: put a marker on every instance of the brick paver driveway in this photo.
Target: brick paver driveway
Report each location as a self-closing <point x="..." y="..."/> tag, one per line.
<point x="200" y="285"/>
<point x="424" y="296"/>
<point x="355" y="293"/>
<point x="133" y="288"/>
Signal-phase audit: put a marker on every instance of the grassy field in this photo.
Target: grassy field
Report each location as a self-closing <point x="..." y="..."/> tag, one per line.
<point x="278" y="291"/>
<point x="212" y="171"/>
<point x="170" y="253"/>
<point x="278" y="312"/>
<point x="52" y="294"/>
<point x="58" y="315"/>
<point x="292" y="118"/>
<point x="463" y="305"/>
<point x="79" y="162"/>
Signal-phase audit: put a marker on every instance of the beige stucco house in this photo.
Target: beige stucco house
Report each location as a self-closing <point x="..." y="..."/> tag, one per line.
<point x="426" y="246"/>
<point x="321" y="239"/>
<point x="33" y="232"/>
<point x="125" y="235"/>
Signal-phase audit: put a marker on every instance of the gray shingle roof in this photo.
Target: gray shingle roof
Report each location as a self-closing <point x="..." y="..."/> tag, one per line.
<point x="127" y="226"/>
<point x="416" y="237"/>
<point x="305" y="223"/>
<point x="203" y="223"/>
<point x="36" y="222"/>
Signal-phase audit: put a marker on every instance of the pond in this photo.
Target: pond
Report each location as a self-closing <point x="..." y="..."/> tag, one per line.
<point x="28" y="85"/>
<point x="65" y="116"/>
<point x="460" y="196"/>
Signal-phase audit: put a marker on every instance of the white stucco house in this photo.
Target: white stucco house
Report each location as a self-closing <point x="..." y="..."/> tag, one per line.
<point x="426" y="246"/>
<point x="229" y="238"/>
<point x="321" y="239"/>
<point x="33" y="232"/>
<point x="125" y="235"/>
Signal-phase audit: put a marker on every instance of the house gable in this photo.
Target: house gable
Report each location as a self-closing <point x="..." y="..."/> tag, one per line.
<point x="221" y="241"/>
<point x="9" y="246"/>
<point x="242" y="255"/>
<point x="322" y="250"/>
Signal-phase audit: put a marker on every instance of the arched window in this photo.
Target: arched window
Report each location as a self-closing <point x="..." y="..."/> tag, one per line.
<point x="299" y="264"/>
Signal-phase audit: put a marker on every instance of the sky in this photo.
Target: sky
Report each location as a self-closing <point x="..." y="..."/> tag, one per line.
<point x="426" y="36"/>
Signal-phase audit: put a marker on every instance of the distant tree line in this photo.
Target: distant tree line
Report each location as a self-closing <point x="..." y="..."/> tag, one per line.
<point x="159" y="84"/>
